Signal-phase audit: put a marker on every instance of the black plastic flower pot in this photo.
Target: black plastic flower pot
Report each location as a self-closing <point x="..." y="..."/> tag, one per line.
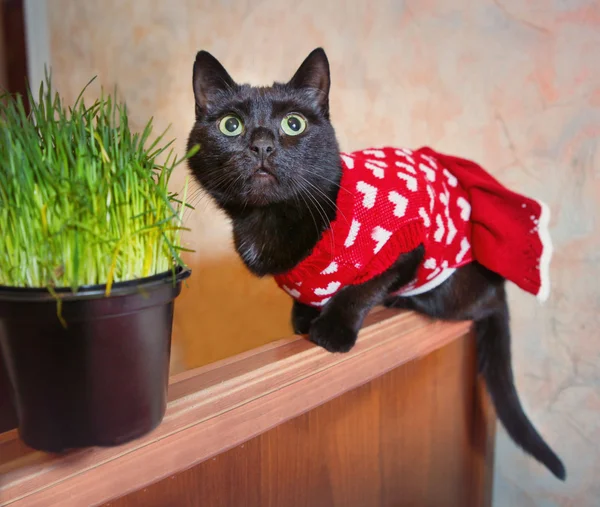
<point x="101" y="380"/>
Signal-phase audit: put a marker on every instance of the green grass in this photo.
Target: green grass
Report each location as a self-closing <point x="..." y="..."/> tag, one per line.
<point x="83" y="199"/>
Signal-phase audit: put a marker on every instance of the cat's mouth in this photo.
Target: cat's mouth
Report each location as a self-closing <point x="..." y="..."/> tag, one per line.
<point x="264" y="172"/>
<point x="263" y="185"/>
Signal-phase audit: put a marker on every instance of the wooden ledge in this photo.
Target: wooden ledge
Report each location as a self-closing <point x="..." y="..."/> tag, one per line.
<point x="217" y="407"/>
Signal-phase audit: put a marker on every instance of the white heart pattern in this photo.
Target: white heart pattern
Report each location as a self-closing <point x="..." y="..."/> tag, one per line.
<point x="407" y="167"/>
<point x="351" y="238"/>
<point x="429" y="172"/>
<point x="464" y="248"/>
<point x="431" y="198"/>
<point x="439" y="232"/>
<point x="444" y="199"/>
<point x="411" y="181"/>
<point x="381" y="237"/>
<point x="349" y="161"/>
<point x="321" y="303"/>
<point x="332" y="268"/>
<point x="430" y="263"/>
<point x="431" y="160"/>
<point x="377" y="169"/>
<point x="370" y="193"/>
<point x="330" y="289"/>
<point x="292" y="292"/>
<point x="451" y="231"/>
<point x="400" y="202"/>
<point x="452" y="181"/>
<point x="423" y="214"/>
<point x="446" y="194"/>
<point x="375" y="153"/>
<point x="465" y="208"/>
<point x="405" y="153"/>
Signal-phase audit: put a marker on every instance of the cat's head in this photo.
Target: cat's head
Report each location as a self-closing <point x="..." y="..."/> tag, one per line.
<point x="263" y="145"/>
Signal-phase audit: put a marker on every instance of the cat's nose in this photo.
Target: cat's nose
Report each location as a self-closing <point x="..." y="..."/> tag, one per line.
<point x="262" y="147"/>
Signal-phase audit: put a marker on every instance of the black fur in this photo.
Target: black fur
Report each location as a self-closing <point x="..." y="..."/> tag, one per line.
<point x="278" y="219"/>
<point x="281" y="202"/>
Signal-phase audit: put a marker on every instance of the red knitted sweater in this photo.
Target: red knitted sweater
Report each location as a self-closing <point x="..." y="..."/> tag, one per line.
<point x="392" y="200"/>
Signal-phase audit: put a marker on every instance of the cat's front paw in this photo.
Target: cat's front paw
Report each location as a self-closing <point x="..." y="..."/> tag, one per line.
<point x="302" y="317"/>
<point x="332" y="335"/>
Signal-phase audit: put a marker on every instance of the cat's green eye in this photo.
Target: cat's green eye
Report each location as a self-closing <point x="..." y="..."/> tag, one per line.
<point x="231" y="125"/>
<point x="293" y="124"/>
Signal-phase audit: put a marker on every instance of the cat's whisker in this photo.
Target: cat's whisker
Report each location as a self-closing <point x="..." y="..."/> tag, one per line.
<point x="333" y="182"/>
<point x="329" y="200"/>
<point x="300" y="193"/>
<point x="199" y="195"/>
<point x="323" y="215"/>
<point x="191" y="201"/>
<point x="198" y="199"/>
<point x="231" y="185"/>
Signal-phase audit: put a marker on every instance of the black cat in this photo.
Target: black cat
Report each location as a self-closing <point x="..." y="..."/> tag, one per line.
<point x="270" y="159"/>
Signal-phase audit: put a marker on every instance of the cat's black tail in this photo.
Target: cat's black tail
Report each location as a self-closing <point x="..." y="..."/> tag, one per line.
<point x="493" y="351"/>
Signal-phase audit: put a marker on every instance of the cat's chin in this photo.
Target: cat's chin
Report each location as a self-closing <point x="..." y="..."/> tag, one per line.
<point x="262" y="190"/>
<point x="261" y="199"/>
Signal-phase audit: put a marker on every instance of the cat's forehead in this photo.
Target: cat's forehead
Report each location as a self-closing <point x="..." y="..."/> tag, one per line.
<point x="275" y="99"/>
<point x="265" y="94"/>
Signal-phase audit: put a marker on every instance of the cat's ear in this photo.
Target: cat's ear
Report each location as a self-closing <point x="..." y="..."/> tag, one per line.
<point x="313" y="75"/>
<point x="210" y="78"/>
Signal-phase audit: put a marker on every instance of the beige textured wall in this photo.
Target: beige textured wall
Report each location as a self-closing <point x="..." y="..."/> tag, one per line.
<point x="512" y="84"/>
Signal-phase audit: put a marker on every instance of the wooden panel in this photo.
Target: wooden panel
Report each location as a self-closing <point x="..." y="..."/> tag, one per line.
<point x="421" y="435"/>
<point x="3" y="70"/>
<point x="218" y="407"/>
<point x="230" y="321"/>
<point x="15" y="53"/>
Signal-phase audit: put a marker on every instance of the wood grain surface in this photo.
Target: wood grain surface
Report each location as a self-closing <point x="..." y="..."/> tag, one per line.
<point x="219" y="407"/>
<point x="420" y="435"/>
